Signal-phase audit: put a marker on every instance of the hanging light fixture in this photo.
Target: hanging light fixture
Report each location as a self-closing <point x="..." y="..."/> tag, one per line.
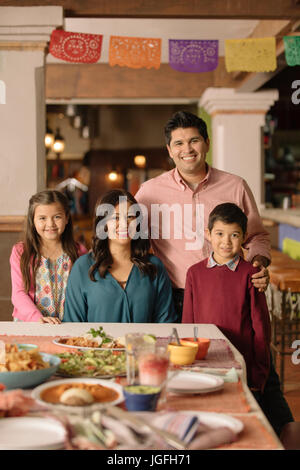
<point x="140" y="161"/>
<point x="85" y="132"/>
<point x="113" y="175"/>
<point x="59" y="143"/>
<point x="77" y="121"/>
<point x="49" y="138"/>
<point x="71" y="110"/>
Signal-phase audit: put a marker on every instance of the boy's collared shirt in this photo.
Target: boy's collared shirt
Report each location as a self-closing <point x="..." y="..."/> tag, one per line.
<point x="231" y="264"/>
<point x="227" y="298"/>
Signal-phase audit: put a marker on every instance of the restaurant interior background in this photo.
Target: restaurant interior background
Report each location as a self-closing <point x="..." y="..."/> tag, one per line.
<point x="111" y="119"/>
<point x="108" y="121"/>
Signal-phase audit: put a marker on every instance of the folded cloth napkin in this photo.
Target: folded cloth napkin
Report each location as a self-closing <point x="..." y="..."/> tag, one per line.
<point x="195" y="434"/>
<point x="183" y="425"/>
<point x="231" y="376"/>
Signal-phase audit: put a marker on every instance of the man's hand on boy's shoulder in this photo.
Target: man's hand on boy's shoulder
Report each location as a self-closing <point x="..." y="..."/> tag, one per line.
<point x="261" y="279"/>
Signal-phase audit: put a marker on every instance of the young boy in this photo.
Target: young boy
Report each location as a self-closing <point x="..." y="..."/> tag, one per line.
<point x="219" y="290"/>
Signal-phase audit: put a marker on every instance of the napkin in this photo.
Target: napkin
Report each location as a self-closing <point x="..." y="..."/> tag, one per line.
<point x="182" y="425"/>
<point x="230" y="376"/>
<point x="194" y="433"/>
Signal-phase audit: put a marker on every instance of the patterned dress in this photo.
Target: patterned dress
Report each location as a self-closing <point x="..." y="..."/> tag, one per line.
<point x="51" y="283"/>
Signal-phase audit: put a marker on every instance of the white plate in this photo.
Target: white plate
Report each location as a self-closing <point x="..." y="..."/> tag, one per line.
<point x="27" y="433"/>
<point x="36" y="394"/>
<point x="85" y="347"/>
<point x="194" y="382"/>
<point x="212" y="420"/>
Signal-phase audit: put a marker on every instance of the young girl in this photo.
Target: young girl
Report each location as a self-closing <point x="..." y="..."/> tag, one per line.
<point x="40" y="265"/>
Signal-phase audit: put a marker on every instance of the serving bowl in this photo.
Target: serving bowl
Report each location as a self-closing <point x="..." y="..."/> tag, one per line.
<point x="183" y="354"/>
<point x="141" y="397"/>
<point x="30" y="378"/>
<point x="203" y="345"/>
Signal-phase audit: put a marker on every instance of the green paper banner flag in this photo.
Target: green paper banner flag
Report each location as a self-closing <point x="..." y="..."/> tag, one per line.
<point x="292" y="50"/>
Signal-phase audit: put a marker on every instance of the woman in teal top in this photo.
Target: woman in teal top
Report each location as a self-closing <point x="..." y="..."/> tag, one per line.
<point x="119" y="281"/>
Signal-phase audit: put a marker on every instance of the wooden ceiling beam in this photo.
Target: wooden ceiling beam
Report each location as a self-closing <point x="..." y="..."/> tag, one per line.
<point x="214" y="9"/>
<point x="101" y="81"/>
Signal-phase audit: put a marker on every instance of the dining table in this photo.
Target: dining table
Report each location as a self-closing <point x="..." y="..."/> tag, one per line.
<point x="223" y="359"/>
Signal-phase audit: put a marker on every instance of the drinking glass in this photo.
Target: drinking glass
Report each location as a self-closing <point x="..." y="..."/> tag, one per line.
<point x="135" y="344"/>
<point x="153" y="369"/>
<point x="153" y="366"/>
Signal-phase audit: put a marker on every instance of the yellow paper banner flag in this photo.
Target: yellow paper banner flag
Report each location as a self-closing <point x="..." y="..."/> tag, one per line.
<point x="250" y="55"/>
<point x="135" y="52"/>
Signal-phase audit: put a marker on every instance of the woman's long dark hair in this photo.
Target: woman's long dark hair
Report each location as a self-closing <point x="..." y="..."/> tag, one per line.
<point x="100" y="247"/>
<point x="31" y="256"/>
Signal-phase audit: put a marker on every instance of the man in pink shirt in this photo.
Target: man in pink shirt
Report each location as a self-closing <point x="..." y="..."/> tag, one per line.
<point x="179" y="201"/>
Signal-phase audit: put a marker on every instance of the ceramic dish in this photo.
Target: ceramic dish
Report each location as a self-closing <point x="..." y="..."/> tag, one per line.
<point x="212" y="420"/>
<point x="186" y="382"/>
<point x="30" y="378"/>
<point x="94" y="364"/>
<point x="183" y="354"/>
<point x="136" y="401"/>
<point x="31" y="433"/>
<point x="203" y="345"/>
<point x="37" y="392"/>
<point x="58" y="343"/>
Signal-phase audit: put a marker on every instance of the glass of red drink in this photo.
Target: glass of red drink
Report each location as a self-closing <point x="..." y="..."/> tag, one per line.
<point x="153" y="366"/>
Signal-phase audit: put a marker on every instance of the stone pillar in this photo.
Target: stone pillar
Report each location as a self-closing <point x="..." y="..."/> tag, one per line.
<point x="24" y="37"/>
<point x="237" y="122"/>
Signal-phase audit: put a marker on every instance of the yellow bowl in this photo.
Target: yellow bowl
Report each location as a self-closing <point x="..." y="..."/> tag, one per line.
<point x="183" y="355"/>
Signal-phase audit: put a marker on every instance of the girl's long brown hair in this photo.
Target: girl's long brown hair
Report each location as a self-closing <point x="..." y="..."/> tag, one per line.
<point x="31" y="255"/>
<point x="100" y="248"/>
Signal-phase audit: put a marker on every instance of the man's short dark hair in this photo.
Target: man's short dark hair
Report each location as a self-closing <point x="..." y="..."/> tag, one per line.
<point x="228" y="213"/>
<point x="185" y="119"/>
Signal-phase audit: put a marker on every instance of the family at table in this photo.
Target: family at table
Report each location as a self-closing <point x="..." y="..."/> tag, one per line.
<point x="201" y="223"/>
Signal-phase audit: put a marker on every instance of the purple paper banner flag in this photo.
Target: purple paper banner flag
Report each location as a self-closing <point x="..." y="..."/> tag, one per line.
<point x="193" y="55"/>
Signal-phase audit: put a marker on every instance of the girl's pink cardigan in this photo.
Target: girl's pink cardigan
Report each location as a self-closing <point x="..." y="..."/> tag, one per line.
<point x="24" y="306"/>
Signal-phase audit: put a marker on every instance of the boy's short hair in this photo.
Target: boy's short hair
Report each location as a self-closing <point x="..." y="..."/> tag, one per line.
<point x="228" y="213"/>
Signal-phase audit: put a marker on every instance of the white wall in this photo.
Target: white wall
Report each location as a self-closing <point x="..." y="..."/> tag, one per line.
<point x="22" y="154"/>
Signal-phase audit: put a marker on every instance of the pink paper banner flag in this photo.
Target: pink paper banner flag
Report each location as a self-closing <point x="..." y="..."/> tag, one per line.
<point x="192" y="55"/>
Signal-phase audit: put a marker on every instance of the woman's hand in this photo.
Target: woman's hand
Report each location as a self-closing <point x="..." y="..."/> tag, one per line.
<point x="51" y="320"/>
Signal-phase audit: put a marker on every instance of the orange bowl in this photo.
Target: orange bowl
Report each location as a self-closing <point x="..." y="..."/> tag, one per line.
<point x="203" y="345"/>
